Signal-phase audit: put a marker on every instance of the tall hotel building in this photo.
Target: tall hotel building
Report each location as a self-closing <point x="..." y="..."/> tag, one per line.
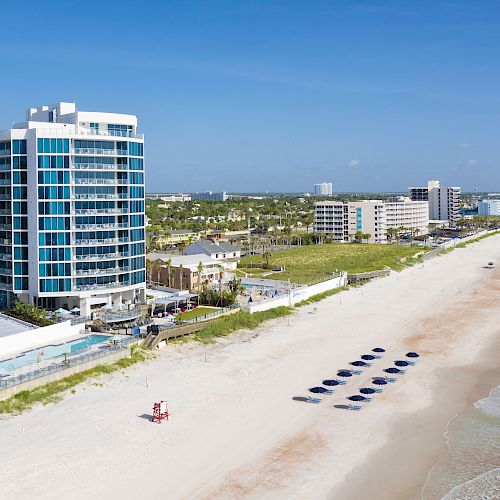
<point x="444" y="202"/>
<point x="72" y="210"/>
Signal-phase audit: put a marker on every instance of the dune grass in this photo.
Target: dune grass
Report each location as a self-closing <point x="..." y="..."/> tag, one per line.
<point x="194" y="313"/>
<point x="238" y="321"/>
<point x="53" y="391"/>
<point x="315" y="262"/>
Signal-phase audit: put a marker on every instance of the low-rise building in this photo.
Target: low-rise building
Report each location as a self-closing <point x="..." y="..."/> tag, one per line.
<point x="184" y="272"/>
<point x="488" y="207"/>
<point x="344" y="222"/>
<point x="226" y="254"/>
<point x="175" y="237"/>
<point x="402" y="212"/>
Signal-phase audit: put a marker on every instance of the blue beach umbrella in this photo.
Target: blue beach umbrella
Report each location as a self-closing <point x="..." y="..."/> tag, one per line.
<point x="358" y="397"/>
<point x="359" y="363"/>
<point x="368" y="357"/>
<point x="393" y="370"/>
<point x="401" y="363"/>
<point x="320" y="390"/>
<point x="344" y="373"/>
<point x="378" y="349"/>
<point x="412" y="355"/>
<point x="379" y="381"/>
<point x="367" y="390"/>
<point x="331" y="382"/>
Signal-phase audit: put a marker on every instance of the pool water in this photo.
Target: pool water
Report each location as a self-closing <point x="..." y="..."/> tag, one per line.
<point x="52" y="351"/>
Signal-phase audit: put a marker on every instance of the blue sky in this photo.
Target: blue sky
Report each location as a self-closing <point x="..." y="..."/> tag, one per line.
<point x="274" y="95"/>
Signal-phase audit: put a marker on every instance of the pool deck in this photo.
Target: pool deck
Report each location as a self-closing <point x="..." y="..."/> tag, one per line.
<point x="55" y="360"/>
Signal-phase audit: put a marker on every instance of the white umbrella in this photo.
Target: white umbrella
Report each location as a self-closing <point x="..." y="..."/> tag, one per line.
<point x="107" y="307"/>
<point x="62" y="311"/>
<point x="75" y="310"/>
<point x="4" y="372"/>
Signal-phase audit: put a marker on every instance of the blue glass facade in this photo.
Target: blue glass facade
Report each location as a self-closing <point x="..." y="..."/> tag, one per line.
<point x="87" y="232"/>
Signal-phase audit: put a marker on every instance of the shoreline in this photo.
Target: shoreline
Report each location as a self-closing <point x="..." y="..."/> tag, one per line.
<point x="403" y="456"/>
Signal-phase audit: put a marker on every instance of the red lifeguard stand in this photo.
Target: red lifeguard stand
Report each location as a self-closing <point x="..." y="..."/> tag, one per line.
<point x="160" y="412"/>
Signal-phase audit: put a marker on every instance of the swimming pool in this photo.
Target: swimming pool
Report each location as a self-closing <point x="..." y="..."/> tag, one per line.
<point x="52" y="351"/>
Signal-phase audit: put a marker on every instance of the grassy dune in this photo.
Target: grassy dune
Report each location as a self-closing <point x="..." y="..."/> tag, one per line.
<point x="314" y="262"/>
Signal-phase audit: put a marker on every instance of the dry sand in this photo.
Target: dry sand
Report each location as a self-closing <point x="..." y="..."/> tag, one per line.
<point x="235" y="430"/>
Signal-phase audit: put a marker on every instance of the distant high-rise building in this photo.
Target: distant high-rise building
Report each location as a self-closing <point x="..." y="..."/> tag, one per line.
<point x="444" y="202"/>
<point x="323" y="189"/>
<point x="72" y="210"/>
<point x="209" y="196"/>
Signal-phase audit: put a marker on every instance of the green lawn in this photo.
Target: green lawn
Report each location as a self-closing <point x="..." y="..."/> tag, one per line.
<point x="194" y="313"/>
<point x="314" y="262"/>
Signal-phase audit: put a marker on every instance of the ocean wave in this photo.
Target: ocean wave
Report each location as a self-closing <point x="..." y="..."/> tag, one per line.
<point x="483" y="487"/>
<point x="471" y="468"/>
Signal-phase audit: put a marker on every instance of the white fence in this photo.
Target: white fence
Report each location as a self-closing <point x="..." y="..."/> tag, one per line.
<point x="24" y="341"/>
<point x="296" y="295"/>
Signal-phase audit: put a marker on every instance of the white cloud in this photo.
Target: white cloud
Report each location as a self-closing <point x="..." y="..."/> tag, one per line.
<point x="472" y="163"/>
<point x="354" y="163"/>
<point x="467" y="145"/>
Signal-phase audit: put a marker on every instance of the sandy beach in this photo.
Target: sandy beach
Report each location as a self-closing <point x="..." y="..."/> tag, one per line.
<point x="235" y="430"/>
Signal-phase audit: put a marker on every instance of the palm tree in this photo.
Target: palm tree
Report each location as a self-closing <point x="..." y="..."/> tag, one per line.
<point x="181" y="276"/>
<point x="169" y="265"/>
<point x="221" y="274"/>
<point x="267" y="256"/>
<point x="200" y="269"/>
<point x="366" y="237"/>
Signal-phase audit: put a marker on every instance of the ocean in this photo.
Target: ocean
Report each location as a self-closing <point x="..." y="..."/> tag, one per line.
<point x="471" y="469"/>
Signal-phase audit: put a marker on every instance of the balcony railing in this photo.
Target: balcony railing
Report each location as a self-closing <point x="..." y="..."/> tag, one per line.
<point x="5" y="182"/>
<point x="110" y="133"/>
<point x="100" y="151"/>
<point x="92" y="211"/>
<point x="5" y="152"/>
<point x="118" y="225"/>
<point x="94" y="181"/>
<point x="6" y="256"/>
<point x="5" y="227"/>
<point x="5" y="211"/>
<point x="82" y="288"/>
<point x="94" y="272"/>
<point x="5" y="167"/>
<point x="102" y="241"/>
<point x="94" y="166"/>
<point x="94" y="196"/>
<point x="100" y="256"/>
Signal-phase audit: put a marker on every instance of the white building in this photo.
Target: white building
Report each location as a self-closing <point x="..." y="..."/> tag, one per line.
<point x="488" y="207"/>
<point x="226" y="254"/>
<point x="72" y="210"/>
<point x="323" y="189"/>
<point x="444" y="202"/>
<point x="342" y="221"/>
<point x="403" y="212"/>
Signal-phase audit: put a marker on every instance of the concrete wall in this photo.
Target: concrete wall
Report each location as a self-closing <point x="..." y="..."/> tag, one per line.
<point x="297" y="295"/>
<point x="24" y="341"/>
